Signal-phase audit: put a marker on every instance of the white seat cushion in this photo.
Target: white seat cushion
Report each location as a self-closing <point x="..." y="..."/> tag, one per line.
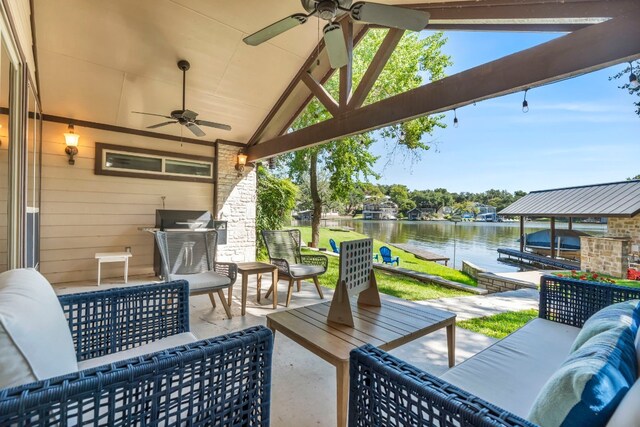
<point x="512" y="371"/>
<point x="628" y="411"/>
<point x="35" y="341"/>
<point x="202" y="281"/>
<point x="152" y="347"/>
<point x="301" y="270"/>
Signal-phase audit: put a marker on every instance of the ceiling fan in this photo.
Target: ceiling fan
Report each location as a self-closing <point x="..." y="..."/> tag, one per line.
<point x="185" y="117"/>
<point x="329" y="10"/>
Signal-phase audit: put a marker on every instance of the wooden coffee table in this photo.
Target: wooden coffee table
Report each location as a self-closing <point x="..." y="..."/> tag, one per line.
<point x="395" y="323"/>
<point x="258" y="268"/>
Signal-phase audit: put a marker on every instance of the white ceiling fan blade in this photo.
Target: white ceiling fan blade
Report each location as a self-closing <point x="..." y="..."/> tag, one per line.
<point x="390" y="16"/>
<point x="162" y="124"/>
<point x="336" y="45"/>
<point x="275" y="29"/>
<point x="195" y="129"/>
<point x="152" y="114"/>
<point x="213" y="124"/>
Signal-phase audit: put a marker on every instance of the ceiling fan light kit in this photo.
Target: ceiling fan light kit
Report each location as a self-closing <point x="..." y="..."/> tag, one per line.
<point x="329" y="10"/>
<point x="185" y="117"/>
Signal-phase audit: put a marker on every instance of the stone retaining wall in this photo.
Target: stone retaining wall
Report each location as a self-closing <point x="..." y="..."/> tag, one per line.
<point x="471" y="269"/>
<point x="494" y="283"/>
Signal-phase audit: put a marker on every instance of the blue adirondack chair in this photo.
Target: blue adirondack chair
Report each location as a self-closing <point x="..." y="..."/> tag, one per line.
<point x="334" y="246"/>
<point x="385" y="253"/>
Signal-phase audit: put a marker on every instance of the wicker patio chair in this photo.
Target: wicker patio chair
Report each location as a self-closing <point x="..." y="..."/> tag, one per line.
<point x="284" y="252"/>
<point x="221" y="381"/>
<point x="191" y="256"/>
<point x="385" y="390"/>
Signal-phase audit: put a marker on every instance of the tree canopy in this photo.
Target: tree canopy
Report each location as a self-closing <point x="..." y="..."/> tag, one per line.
<point x="345" y="162"/>
<point x="633" y="90"/>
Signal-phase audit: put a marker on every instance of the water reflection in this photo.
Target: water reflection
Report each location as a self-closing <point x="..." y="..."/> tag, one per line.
<point x="476" y="242"/>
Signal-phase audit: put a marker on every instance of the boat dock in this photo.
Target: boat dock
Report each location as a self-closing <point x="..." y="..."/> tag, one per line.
<point x="528" y="257"/>
<point x="421" y="253"/>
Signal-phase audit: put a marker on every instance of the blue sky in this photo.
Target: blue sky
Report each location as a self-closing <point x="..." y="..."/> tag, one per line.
<point x="577" y="132"/>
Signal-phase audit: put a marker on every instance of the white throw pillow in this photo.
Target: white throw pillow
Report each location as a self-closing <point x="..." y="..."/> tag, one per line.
<point x="35" y="341"/>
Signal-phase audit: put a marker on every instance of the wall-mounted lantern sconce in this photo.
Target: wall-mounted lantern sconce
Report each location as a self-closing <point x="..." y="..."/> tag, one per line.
<point x="241" y="163"/>
<point x="71" y="139"/>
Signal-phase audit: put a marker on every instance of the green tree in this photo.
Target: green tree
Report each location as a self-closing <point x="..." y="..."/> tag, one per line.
<point x="349" y="160"/>
<point x="276" y="198"/>
<point x="633" y="90"/>
<point x="634" y="177"/>
<point x="468" y="206"/>
<point x="400" y="196"/>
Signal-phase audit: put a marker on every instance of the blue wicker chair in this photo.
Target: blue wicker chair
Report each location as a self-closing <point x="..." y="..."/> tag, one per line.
<point x="219" y="381"/>
<point x="384" y="390"/>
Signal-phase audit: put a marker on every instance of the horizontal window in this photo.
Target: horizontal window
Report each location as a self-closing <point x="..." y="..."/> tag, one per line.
<point x="150" y="164"/>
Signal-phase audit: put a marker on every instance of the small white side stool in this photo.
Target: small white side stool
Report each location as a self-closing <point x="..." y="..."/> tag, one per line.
<point x="114" y="257"/>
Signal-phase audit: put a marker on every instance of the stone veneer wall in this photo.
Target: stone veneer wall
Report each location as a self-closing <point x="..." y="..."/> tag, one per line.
<point x="471" y="269"/>
<point x="626" y="227"/>
<point x="606" y="255"/>
<point x="237" y="205"/>
<point x="494" y="283"/>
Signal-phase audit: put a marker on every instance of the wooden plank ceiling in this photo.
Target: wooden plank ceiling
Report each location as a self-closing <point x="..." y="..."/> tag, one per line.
<point x="100" y="60"/>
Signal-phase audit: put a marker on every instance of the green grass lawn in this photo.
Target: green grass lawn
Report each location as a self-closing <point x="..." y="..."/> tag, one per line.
<point x="392" y="284"/>
<point x="407" y="260"/>
<point x="619" y="282"/>
<point x="499" y="325"/>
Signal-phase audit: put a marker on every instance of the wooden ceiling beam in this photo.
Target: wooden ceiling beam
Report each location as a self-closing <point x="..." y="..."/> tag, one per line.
<point x="380" y="59"/>
<point x="321" y="93"/>
<point x="592" y="48"/>
<point x="356" y="39"/>
<point x="511" y="28"/>
<point x="524" y="9"/>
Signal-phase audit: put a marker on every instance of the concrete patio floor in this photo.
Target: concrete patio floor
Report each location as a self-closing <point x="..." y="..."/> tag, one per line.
<point x="303" y="385"/>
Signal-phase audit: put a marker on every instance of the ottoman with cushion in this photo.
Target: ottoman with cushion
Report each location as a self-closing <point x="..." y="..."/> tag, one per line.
<point x="123" y="357"/>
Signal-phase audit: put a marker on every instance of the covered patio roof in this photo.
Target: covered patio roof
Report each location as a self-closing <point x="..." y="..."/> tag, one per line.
<point x="616" y="199"/>
<point x="98" y="61"/>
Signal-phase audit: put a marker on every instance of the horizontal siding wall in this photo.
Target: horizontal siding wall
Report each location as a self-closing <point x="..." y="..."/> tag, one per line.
<point x="84" y="213"/>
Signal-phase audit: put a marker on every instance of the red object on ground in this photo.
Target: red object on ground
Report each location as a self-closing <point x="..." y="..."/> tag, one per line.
<point x="633" y="274"/>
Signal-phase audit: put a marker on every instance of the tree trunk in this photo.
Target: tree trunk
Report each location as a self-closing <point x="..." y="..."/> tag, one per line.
<point x="317" y="201"/>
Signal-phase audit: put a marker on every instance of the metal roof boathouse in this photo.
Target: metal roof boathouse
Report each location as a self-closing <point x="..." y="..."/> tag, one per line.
<point x="617" y="201"/>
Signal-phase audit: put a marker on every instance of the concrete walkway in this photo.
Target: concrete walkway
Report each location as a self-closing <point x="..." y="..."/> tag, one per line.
<point x="486" y="305"/>
<point x="303" y="385"/>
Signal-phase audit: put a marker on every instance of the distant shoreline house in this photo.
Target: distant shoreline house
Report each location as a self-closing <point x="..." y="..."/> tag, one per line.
<point x="418" y="214"/>
<point x="486" y="213"/>
<point x="307" y="215"/>
<point x="374" y="208"/>
<point x="304" y="215"/>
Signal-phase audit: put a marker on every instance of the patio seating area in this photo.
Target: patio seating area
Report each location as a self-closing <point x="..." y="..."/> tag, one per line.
<point x="137" y="135"/>
<point x="293" y="402"/>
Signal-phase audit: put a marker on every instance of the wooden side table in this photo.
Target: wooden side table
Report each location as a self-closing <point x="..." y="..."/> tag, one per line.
<point x="258" y="268"/>
<point x="114" y="257"/>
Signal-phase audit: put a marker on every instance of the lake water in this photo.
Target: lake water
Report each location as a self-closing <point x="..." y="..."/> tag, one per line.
<point x="475" y="242"/>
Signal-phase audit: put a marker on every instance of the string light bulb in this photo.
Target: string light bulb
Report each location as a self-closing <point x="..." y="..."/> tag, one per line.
<point x="455" y="119"/>
<point x="633" y="79"/>
<point x="525" y="104"/>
